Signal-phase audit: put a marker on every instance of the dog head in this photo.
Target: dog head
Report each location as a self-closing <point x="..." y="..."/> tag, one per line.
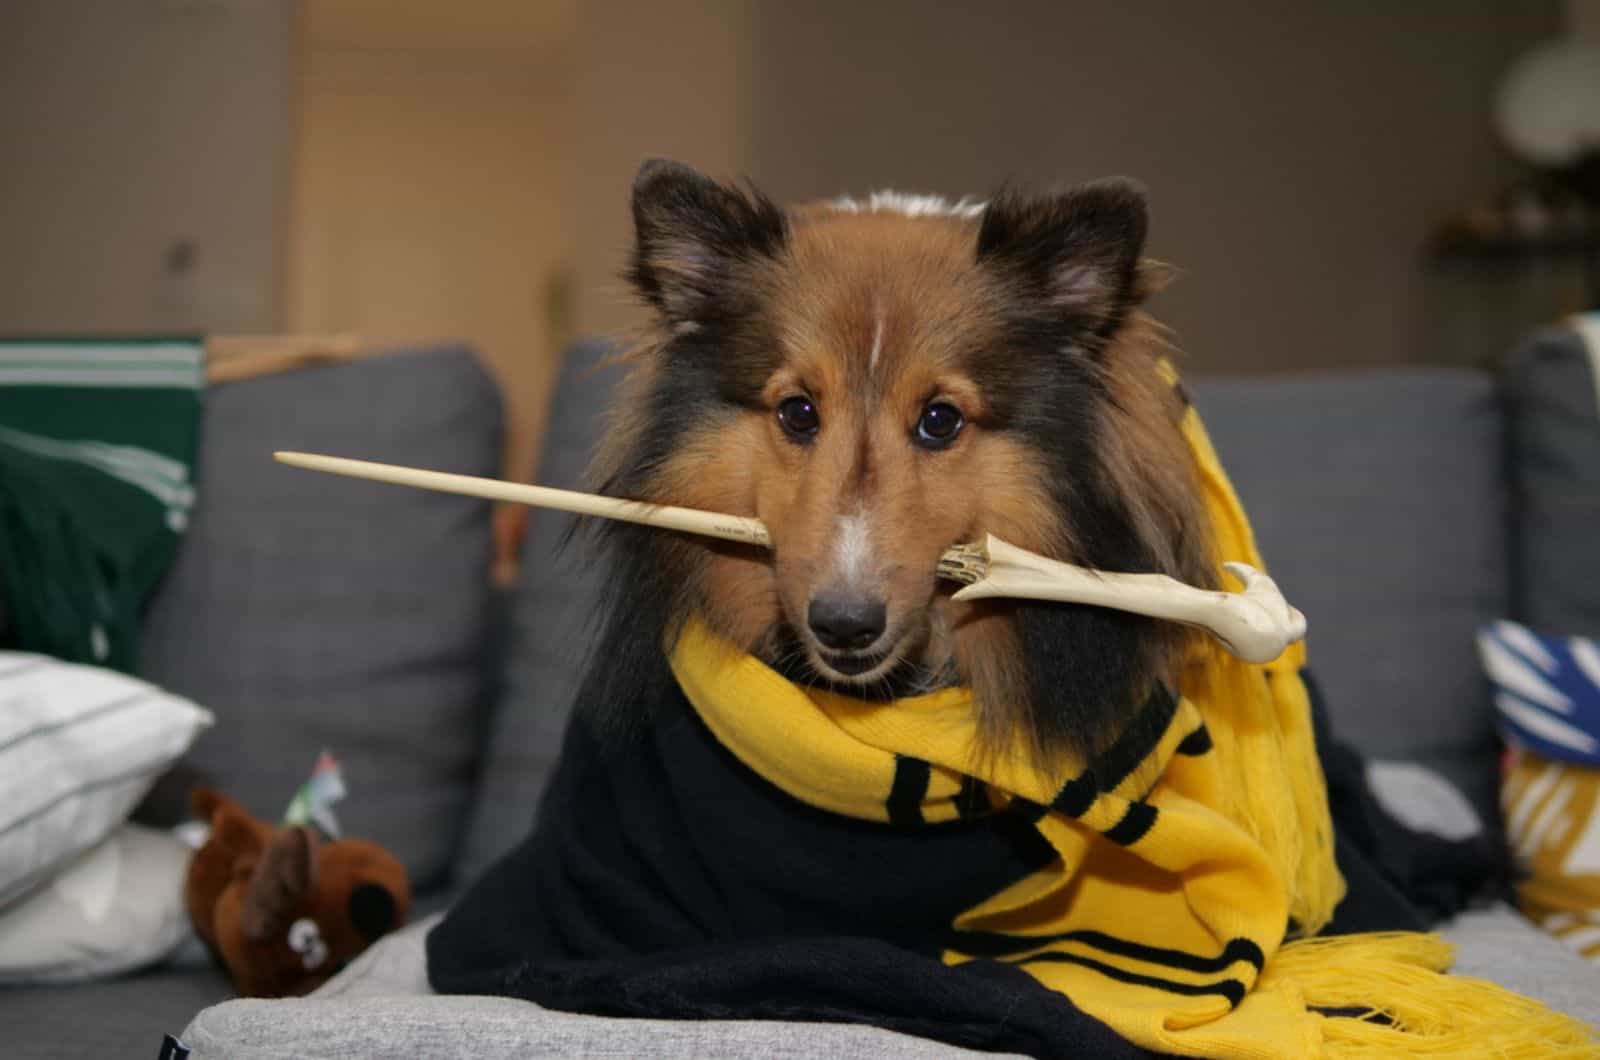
<point x="879" y="380"/>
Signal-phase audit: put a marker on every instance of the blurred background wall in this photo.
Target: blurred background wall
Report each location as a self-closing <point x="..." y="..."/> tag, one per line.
<point x="432" y="191"/>
<point x="410" y="169"/>
<point x="144" y="150"/>
<point x="1296" y="154"/>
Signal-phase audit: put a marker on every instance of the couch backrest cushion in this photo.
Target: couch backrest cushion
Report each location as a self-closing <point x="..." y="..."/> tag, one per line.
<point x="1553" y="407"/>
<point x="311" y="611"/>
<point x="549" y="624"/>
<point x="1379" y="505"/>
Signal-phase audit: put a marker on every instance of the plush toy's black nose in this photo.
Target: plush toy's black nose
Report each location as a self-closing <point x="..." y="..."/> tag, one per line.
<point x="372" y="910"/>
<point x="845" y="622"/>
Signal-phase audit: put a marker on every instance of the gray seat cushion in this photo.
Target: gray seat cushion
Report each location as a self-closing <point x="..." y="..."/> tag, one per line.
<point x="115" y="1017"/>
<point x="548" y="625"/>
<point x="311" y="611"/>
<point x="380" y="1006"/>
<point x="1378" y="504"/>
<point x="1553" y="406"/>
<point x="497" y="1028"/>
<point x="1502" y="945"/>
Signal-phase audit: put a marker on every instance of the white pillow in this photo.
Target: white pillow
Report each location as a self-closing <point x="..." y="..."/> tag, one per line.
<point x="79" y="747"/>
<point x="116" y="908"/>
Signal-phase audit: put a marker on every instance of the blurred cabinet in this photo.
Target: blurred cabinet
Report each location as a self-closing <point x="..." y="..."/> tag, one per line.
<point x="430" y="184"/>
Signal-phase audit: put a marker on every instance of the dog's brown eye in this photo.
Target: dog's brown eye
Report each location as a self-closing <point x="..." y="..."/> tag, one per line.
<point x="939" y="425"/>
<point x="799" y="418"/>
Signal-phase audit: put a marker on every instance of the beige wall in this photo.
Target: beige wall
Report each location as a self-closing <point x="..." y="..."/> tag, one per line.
<point x="431" y="184"/>
<point x="126" y="127"/>
<point x="669" y="79"/>
<point x="456" y="161"/>
<point x="1296" y="154"/>
<point x="463" y="171"/>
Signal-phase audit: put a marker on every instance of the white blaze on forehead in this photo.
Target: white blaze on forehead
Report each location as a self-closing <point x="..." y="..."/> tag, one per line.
<point x="877" y="343"/>
<point x="853" y="550"/>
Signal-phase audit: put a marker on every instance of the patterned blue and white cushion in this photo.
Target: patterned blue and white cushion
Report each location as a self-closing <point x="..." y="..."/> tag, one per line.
<point x="1546" y="690"/>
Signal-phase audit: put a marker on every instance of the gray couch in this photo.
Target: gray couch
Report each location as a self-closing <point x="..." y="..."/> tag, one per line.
<point x="307" y="611"/>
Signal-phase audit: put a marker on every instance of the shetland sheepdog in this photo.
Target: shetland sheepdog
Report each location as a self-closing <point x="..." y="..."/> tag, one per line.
<point x="876" y="380"/>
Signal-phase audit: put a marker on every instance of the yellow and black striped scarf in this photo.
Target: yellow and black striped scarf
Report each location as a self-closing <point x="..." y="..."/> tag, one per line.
<point x="1185" y="851"/>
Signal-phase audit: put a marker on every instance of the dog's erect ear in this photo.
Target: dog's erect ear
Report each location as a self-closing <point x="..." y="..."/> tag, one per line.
<point x="691" y="234"/>
<point x="1077" y="249"/>
<point x="282" y="881"/>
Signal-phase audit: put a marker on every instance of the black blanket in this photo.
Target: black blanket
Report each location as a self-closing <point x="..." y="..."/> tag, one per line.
<point x="665" y="879"/>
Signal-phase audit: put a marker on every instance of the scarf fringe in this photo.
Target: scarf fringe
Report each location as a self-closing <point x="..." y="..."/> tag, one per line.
<point x="1415" y="1009"/>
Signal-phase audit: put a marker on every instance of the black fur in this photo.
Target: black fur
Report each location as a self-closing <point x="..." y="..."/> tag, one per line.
<point x="1076" y="252"/>
<point x="691" y="236"/>
<point x="372" y="911"/>
<point x="1088" y="666"/>
<point x="706" y="372"/>
<point x="1071" y="262"/>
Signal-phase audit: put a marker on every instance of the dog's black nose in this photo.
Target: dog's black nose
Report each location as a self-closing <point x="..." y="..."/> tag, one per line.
<point x="846" y="623"/>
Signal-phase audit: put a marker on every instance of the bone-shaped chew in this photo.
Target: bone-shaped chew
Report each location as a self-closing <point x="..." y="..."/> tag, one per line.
<point x="1255" y="625"/>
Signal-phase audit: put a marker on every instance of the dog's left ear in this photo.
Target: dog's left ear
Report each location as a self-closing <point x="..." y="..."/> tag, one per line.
<point x="692" y="235"/>
<point x="1078" y="250"/>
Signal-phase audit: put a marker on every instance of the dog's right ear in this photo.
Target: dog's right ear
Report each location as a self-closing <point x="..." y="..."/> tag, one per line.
<point x="692" y="235"/>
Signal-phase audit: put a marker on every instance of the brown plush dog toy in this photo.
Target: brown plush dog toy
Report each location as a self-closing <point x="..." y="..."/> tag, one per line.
<point x="281" y="909"/>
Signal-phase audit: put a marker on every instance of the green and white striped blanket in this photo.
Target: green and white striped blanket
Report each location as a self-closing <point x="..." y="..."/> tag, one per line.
<point x="97" y="449"/>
